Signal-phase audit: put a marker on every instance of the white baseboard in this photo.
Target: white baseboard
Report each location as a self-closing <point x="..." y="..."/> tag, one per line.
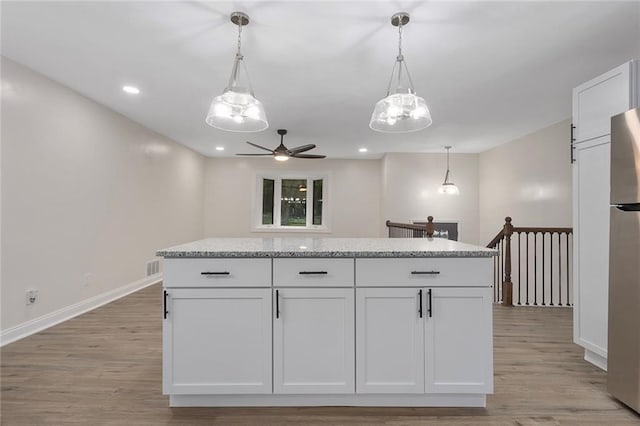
<point x="330" y="400"/>
<point x="48" y="320"/>
<point x="595" y="359"/>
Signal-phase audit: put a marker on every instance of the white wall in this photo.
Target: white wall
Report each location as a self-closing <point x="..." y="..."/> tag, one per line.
<point x="528" y="179"/>
<point x="354" y="194"/>
<point x="84" y="190"/>
<point x="411" y="183"/>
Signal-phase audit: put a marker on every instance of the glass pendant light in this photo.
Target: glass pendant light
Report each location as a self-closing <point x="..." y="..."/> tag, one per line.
<point x="448" y="187"/>
<point x="237" y="109"/>
<point x="401" y="110"/>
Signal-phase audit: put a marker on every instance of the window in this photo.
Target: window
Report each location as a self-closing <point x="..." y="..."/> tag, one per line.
<point x="292" y="202"/>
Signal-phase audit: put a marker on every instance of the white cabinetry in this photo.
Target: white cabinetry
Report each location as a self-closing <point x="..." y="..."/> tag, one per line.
<point x="591" y="247"/>
<point x="458" y="344"/>
<point x="313" y="340"/>
<point x="390" y="341"/>
<point x="435" y="339"/>
<point x="416" y="340"/>
<point x="327" y="331"/>
<point x="217" y="341"/>
<point x="594" y="102"/>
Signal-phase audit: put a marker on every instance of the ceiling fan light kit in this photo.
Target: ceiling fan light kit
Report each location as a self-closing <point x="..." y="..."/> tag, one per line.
<point x="401" y="110"/>
<point x="237" y="109"/>
<point x="447" y="186"/>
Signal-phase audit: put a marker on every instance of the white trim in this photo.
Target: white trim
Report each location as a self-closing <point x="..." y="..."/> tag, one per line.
<point x="595" y="359"/>
<point x="337" y="400"/>
<point x="256" y="224"/>
<point x="35" y="325"/>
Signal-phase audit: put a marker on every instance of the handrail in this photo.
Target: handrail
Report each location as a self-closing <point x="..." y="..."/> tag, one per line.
<point x="496" y="239"/>
<point x="542" y="229"/>
<point x="417" y="231"/>
<point x="405" y="225"/>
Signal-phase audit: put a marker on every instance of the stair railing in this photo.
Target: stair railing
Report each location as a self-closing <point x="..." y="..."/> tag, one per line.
<point x="543" y="261"/>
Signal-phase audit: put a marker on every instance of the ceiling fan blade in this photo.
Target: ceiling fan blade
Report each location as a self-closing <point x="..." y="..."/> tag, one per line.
<point x="308" y="156"/>
<point x="303" y="148"/>
<point x="261" y="147"/>
<point x="254" y="155"/>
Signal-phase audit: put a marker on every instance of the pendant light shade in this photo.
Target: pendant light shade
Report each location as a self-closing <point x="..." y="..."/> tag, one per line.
<point x="447" y="186"/>
<point x="401" y="110"/>
<point x="237" y="109"/>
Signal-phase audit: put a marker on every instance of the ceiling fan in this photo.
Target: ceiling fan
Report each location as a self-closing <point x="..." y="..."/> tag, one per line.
<point x="282" y="153"/>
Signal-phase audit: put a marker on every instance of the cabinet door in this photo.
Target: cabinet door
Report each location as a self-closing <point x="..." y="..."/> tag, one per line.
<point x="595" y="101"/>
<point x="217" y="341"/>
<point x="313" y="338"/>
<point x="458" y="340"/>
<point x="389" y="341"/>
<point x="591" y="245"/>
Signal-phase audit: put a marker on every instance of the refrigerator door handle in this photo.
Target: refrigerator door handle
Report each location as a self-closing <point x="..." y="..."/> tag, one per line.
<point x="632" y="207"/>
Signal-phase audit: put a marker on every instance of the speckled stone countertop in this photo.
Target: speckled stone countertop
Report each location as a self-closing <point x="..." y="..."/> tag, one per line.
<point x="326" y="247"/>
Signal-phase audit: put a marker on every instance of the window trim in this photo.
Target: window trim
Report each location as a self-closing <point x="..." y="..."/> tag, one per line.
<point x="257" y="225"/>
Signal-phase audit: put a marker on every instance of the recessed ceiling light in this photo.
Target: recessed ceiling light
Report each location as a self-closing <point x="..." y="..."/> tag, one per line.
<point x="219" y="148"/>
<point x="363" y="150"/>
<point x="132" y="90"/>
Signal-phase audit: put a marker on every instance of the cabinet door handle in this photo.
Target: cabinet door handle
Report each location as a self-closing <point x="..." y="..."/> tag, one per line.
<point x="313" y="272"/>
<point x="215" y="273"/>
<point x="420" y="303"/>
<point x="425" y="272"/>
<point x="573" y="128"/>
<point x="277" y="304"/>
<point x="164" y="305"/>
<point x="430" y="310"/>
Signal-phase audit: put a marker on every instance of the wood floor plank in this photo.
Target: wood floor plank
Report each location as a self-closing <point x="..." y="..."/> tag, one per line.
<point x="104" y="368"/>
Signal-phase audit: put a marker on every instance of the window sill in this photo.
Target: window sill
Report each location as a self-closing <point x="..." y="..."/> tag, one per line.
<point x="295" y="230"/>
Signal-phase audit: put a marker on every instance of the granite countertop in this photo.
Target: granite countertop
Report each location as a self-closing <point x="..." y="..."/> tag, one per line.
<point x="326" y="247"/>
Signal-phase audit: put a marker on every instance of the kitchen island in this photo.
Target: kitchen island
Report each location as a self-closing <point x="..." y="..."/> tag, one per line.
<point x="327" y="322"/>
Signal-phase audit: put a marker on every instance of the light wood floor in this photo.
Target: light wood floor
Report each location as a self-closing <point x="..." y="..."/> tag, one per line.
<point x="104" y="368"/>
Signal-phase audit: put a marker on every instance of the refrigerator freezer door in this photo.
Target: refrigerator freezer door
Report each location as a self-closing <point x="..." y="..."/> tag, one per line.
<point x="623" y="363"/>
<point x="625" y="157"/>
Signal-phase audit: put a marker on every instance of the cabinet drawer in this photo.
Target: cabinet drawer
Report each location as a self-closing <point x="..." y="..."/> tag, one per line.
<point x="425" y="272"/>
<point x="217" y="272"/>
<point x="313" y="272"/>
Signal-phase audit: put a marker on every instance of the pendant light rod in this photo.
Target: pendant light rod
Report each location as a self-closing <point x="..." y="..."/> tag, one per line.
<point x="448" y="187"/>
<point x="446" y="176"/>
<point x="240" y="19"/>
<point x="399" y="20"/>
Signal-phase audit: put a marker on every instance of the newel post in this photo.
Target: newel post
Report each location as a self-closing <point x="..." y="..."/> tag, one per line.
<point x="430" y="227"/>
<point x="507" y="285"/>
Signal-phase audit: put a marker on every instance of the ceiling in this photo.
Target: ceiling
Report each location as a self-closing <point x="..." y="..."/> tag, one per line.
<point x="489" y="71"/>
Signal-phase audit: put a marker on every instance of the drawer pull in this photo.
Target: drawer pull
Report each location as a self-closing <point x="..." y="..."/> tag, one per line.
<point x="215" y="273"/>
<point x="425" y="272"/>
<point x="313" y="272"/>
<point x="164" y="305"/>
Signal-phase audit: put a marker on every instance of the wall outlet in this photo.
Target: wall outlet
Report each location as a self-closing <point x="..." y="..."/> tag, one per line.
<point x="32" y="295"/>
<point x="87" y="279"/>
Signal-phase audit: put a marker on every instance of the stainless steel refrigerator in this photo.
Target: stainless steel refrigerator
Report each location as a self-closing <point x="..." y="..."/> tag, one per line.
<point x="623" y="357"/>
